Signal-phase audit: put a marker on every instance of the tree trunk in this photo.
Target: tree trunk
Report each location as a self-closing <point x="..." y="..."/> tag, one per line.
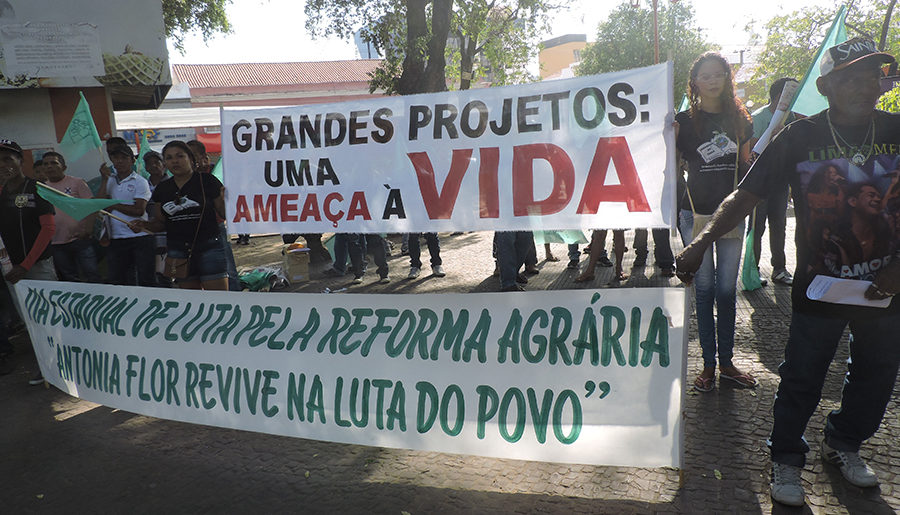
<point x="435" y="75"/>
<point x="466" y="62"/>
<point x="414" y="62"/>
<point x="886" y="25"/>
<point x="423" y="72"/>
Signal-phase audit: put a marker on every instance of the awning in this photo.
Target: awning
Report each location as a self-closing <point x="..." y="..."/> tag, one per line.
<point x="167" y="118"/>
<point x="212" y="142"/>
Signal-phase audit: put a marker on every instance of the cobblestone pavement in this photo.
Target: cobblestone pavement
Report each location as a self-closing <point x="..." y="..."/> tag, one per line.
<point x="62" y="454"/>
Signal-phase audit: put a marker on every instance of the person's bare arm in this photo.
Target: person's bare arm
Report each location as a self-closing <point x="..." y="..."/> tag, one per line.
<point x="105" y="173"/>
<point x="156" y="223"/>
<point x="886" y="283"/>
<point x="730" y="212"/>
<point x="136" y="209"/>
<point x="219" y="203"/>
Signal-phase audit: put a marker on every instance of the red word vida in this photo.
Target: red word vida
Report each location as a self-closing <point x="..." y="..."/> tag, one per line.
<point x="615" y="150"/>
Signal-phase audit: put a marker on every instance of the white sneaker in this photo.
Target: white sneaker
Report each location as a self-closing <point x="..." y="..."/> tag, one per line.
<point x="437" y="271"/>
<point x="786" y="487"/>
<point x="413" y="272"/>
<point x="853" y="468"/>
<point x="783" y="276"/>
<point x="384" y="280"/>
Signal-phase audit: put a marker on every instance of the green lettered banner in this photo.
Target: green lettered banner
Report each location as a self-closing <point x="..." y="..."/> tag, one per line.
<point x="561" y="376"/>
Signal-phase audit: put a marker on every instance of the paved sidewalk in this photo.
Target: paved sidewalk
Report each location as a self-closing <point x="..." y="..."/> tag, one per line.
<point x="61" y="454"/>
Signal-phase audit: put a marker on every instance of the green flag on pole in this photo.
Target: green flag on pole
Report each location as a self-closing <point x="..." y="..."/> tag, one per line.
<point x="145" y="147"/>
<point x="81" y="137"/>
<point x="217" y="171"/>
<point x="808" y="100"/>
<point x="77" y="208"/>
<point x="750" y="269"/>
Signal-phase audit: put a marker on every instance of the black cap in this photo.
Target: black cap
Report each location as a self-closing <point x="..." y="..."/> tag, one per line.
<point x="10" y="145"/>
<point x="849" y="52"/>
<point x="124" y="150"/>
<point x="152" y="153"/>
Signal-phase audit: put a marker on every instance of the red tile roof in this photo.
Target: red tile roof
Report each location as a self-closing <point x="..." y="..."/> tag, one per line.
<point x="273" y="74"/>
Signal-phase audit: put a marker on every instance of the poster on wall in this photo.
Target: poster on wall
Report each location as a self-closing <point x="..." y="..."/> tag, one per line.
<point x="81" y="43"/>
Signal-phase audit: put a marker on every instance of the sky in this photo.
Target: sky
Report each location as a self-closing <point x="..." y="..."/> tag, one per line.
<point x="274" y="30"/>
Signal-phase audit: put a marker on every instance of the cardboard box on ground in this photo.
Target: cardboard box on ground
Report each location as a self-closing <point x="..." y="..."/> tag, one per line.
<point x="296" y="264"/>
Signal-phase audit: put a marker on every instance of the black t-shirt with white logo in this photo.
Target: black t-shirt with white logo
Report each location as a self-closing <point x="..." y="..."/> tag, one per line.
<point x="20" y="212"/>
<point x="846" y="201"/>
<point x="186" y="207"/>
<point x="711" y="156"/>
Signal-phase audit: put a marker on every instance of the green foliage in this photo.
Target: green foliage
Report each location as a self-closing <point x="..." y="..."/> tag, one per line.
<point x="890" y="101"/>
<point x="184" y="16"/>
<point x="495" y="39"/>
<point x="491" y="40"/>
<point x="411" y="34"/>
<point x="793" y="39"/>
<point x="625" y="40"/>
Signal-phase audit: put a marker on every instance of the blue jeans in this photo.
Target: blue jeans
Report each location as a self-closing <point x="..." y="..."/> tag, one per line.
<point x="234" y="282"/>
<point x="872" y="371"/>
<point x="662" y="249"/>
<point x="76" y="255"/>
<point x="415" y="249"/>
<point x="341" y="244"/>
<point x="353" y="245"/>
<point x="42" y="270"/>
<point x="372" y="244"/>
<point x="774" y="208"/>
<point x="207" y="261"/>
<point x="511" y="249"/>
<point x="574" y="253"/>
<point x="715" y="282"/>
<point x="132" y="261"/>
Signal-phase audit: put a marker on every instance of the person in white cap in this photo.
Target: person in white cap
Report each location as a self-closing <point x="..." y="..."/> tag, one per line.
<point x="861" y="143"/>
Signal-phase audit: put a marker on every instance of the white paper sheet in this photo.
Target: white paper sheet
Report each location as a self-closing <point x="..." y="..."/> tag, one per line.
<point x="843" y="291"/>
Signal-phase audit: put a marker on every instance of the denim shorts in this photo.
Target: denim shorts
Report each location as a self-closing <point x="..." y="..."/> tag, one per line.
<point x="207" y="261"/>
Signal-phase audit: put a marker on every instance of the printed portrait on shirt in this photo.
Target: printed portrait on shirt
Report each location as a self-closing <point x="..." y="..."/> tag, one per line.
<point x="853" y="219"/>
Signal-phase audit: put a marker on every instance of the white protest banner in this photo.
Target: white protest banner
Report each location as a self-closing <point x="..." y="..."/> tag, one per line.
<point x="583" y="153"/>
<point x="561" y="376"/>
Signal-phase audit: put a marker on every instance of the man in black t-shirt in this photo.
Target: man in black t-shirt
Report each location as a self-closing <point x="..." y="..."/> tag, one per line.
<point x="26" y="225"/>
<point x="839" y="164"/>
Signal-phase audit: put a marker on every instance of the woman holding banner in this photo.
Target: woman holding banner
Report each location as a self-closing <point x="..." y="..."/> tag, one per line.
<point x="185" y="206"/>
<point x="713" y="138"/>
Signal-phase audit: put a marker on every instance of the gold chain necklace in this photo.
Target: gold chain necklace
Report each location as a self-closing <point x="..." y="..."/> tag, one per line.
<point x="858" y="158"/>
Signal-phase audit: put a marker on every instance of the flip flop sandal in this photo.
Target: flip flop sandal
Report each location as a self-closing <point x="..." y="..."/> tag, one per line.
<point x="704" y="384"/>
<point x="584" y="279"/>
<point x="744" y="380"/>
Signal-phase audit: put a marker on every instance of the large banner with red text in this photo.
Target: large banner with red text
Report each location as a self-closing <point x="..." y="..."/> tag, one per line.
<point x="584" y="153"/>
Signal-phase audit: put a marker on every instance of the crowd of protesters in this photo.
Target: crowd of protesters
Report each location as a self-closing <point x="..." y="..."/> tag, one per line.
<point x="169" y="230"/>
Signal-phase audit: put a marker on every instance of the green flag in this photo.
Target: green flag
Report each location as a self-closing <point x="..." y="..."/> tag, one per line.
<point x="81" y="137"/>
<point x="77" y="208"/>
<point x="685" y="104"/>
<point x="217" y="171"/>
<point x="750" y="270"/>
<point x="808" y="100"/>
<point x="145" y="147"/>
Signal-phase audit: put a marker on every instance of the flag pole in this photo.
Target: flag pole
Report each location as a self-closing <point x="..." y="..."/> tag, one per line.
<point x="105" y="212"/>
